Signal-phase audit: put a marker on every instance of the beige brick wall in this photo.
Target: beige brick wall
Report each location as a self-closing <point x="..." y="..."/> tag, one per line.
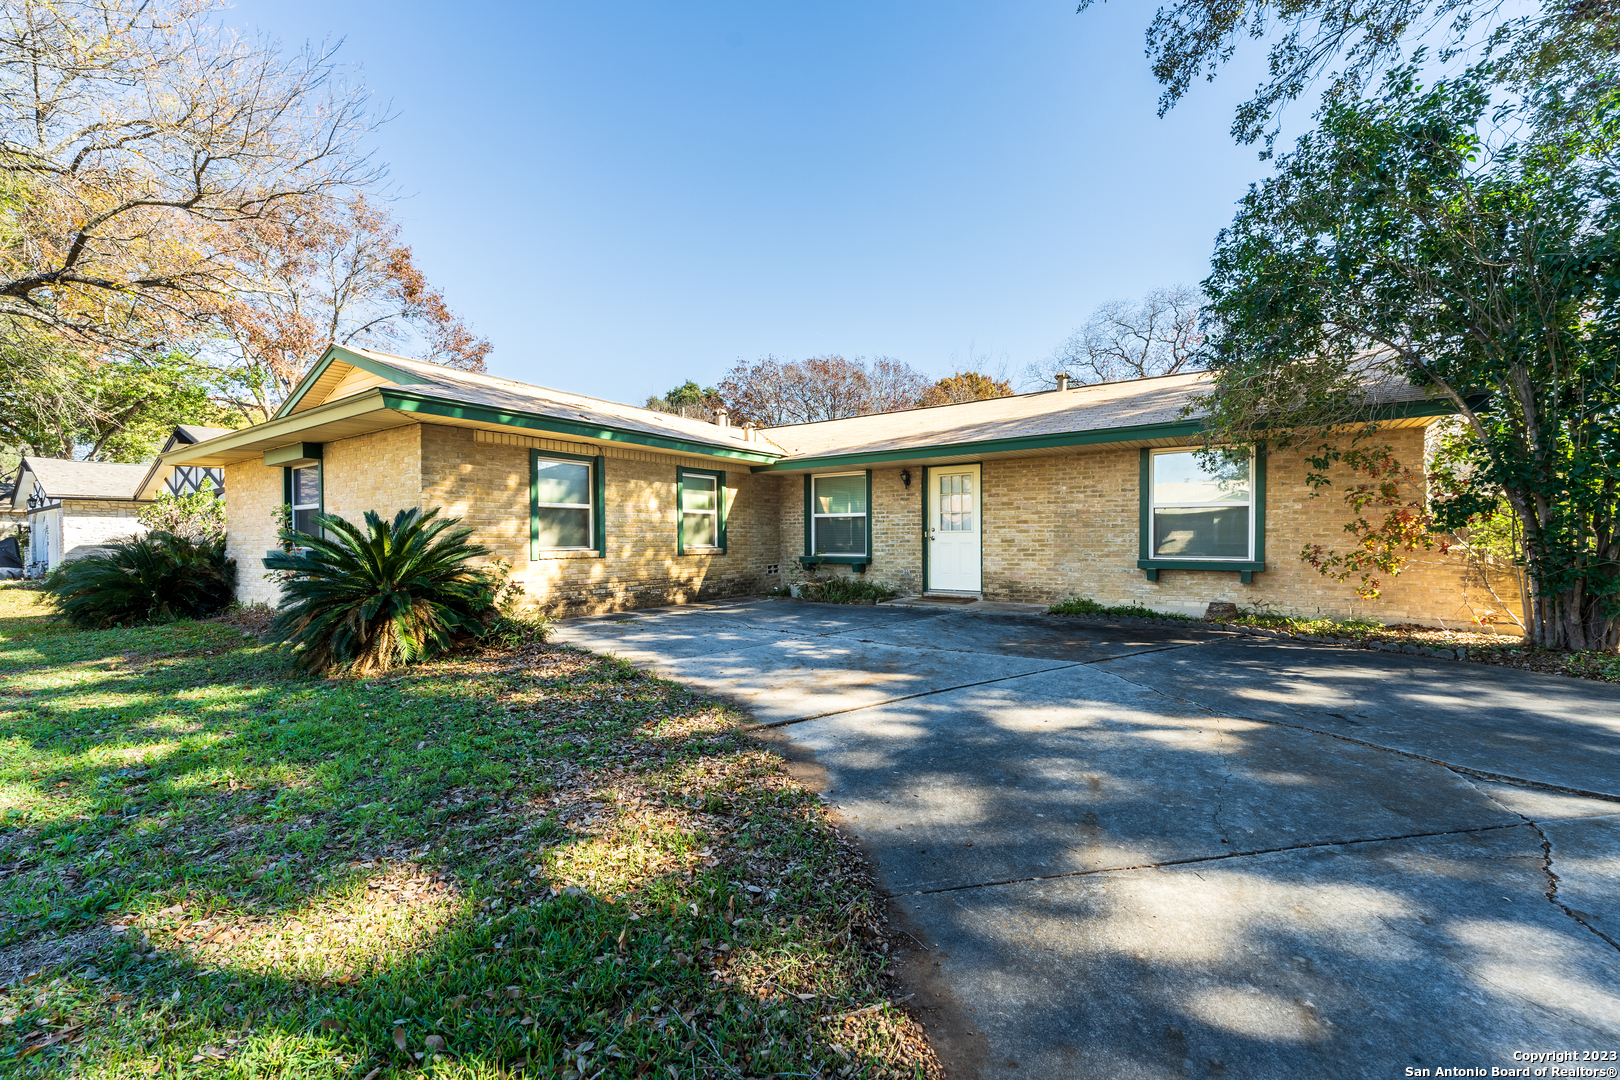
<point x="487" y="484"/>
<point x="381" y="471"/>
<point x="252" y="493"/>
<point x="1068" y="526"/>
<point x="484" y="480"/>
<point x="896" y="528"/>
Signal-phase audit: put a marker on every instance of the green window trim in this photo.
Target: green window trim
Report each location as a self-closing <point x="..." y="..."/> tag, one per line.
<point x="287" y="488"/>
<point x="810" y="558"/>
<point x="1244" y="568"/>
<point x="720" y="508"/>
<point x="598" y="499"/>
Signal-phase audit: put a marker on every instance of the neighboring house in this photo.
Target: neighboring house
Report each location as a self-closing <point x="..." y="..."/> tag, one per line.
<point x="10" y="516"/>
<point x="1091" y="491"/>
<point x="165" y="479"/>
<point x="75" y="508"/>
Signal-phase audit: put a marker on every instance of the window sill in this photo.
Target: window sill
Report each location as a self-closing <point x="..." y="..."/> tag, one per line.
<point x="857" y="562"/>
<point x="1245" y="570"/>
<point x="549" y="554"/>
<point x="703" y="551"/>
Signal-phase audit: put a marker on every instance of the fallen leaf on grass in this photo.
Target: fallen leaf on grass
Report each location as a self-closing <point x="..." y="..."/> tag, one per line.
<point x="399" y="1038"/>
<point x="435" y="1043"/>
<point x="332" y="1023"/>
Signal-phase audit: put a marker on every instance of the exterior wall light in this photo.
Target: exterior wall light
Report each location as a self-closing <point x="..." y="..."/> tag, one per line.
<point x="905" y="477"/>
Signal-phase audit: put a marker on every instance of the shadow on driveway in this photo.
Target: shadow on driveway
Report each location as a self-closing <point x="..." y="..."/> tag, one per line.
<point x="1167" y="852"/>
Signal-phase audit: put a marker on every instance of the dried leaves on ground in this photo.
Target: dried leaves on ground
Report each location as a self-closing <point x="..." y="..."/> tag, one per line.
<point x="536" y="862"/>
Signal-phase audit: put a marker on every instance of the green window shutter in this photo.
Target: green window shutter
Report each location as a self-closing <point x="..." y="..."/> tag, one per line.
<point x="809" y="515"/>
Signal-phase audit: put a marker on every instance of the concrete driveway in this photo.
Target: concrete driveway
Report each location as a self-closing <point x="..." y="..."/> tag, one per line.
<point x="1145" y="851"/>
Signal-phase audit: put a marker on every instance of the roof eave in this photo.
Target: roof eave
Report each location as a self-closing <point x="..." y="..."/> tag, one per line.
<point x="1140" y="433"/>
<point x="408" y="406"/>
<point x="445" y="406"/>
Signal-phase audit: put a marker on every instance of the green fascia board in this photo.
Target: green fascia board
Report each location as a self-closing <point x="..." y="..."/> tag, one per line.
<point x="299" y="453"/>
<point x="354" y="359"/>
<point x="427" y="405"/>
<point x="1180" y="429"/>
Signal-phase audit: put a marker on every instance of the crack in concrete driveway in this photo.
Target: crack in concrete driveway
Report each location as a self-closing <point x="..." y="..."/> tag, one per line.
<point x="1122" y="855"/>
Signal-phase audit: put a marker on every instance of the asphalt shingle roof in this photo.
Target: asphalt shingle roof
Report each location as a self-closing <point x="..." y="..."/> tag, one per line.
<point x="1078" y="410"/>
<point x="86" y="479"/>
<point x="478" y="389"/>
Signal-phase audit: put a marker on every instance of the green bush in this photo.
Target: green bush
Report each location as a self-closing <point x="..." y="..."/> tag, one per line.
<point x="396" y="593"/>
<point x="154" y="578"/>
<point x="848" y="589"/>
<point x="1084" y="605"/>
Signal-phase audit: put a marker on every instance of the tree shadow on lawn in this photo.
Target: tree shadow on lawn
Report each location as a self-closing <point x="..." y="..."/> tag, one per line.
<point x="541" y="858"/>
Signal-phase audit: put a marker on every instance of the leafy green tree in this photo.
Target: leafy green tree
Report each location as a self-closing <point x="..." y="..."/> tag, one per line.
<point x="57" y="403"/>
<point x="1396" y="245"/>
<point x="198" y="517"/>
<point x="1347" y="44"/>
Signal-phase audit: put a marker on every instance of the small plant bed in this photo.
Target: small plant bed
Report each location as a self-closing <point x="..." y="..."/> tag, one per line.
<point x="844" y="589"/>
<point x="520" y="861"/>
<point x="1481" y="647"/>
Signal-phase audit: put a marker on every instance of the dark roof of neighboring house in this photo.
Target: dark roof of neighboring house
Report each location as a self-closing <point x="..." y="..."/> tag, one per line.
<point x="192" y="433"/>
<point x="85" y="479"/>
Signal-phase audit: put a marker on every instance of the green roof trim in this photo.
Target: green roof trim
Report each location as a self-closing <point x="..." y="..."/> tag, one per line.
<point x="1180" y="429"/>
<point x="412" y="402"/>
<point x="353" y="359"/>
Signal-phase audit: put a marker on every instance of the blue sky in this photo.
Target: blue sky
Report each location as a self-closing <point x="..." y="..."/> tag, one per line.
<point x="623" y="196"/>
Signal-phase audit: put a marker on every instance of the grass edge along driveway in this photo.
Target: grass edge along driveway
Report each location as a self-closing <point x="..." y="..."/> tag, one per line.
<point x="541" y="862"/>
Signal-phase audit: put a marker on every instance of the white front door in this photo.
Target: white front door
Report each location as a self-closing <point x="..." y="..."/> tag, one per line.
<point x="954" y="526"/>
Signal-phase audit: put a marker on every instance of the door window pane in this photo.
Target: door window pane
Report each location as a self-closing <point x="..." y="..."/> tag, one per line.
<point x="956" y="503"/>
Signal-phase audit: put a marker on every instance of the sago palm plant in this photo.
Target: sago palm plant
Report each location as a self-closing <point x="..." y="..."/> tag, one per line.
<point x="393" y="593"/>
<point x="154" y="578"/>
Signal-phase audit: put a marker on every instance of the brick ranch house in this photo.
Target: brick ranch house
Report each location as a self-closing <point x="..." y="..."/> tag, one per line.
<point x="1090" y="491"/>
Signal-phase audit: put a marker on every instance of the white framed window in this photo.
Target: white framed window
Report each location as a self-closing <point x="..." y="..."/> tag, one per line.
<point x="1201" y="509"/>
<point x="304" y="491"/>
<point x="564" y="511"/>
<point x="702" y="510"/>
<point x="838" y="514"/>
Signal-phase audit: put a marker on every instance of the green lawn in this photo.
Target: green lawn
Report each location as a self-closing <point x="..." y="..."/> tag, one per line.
<point x="538" y="862"/>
